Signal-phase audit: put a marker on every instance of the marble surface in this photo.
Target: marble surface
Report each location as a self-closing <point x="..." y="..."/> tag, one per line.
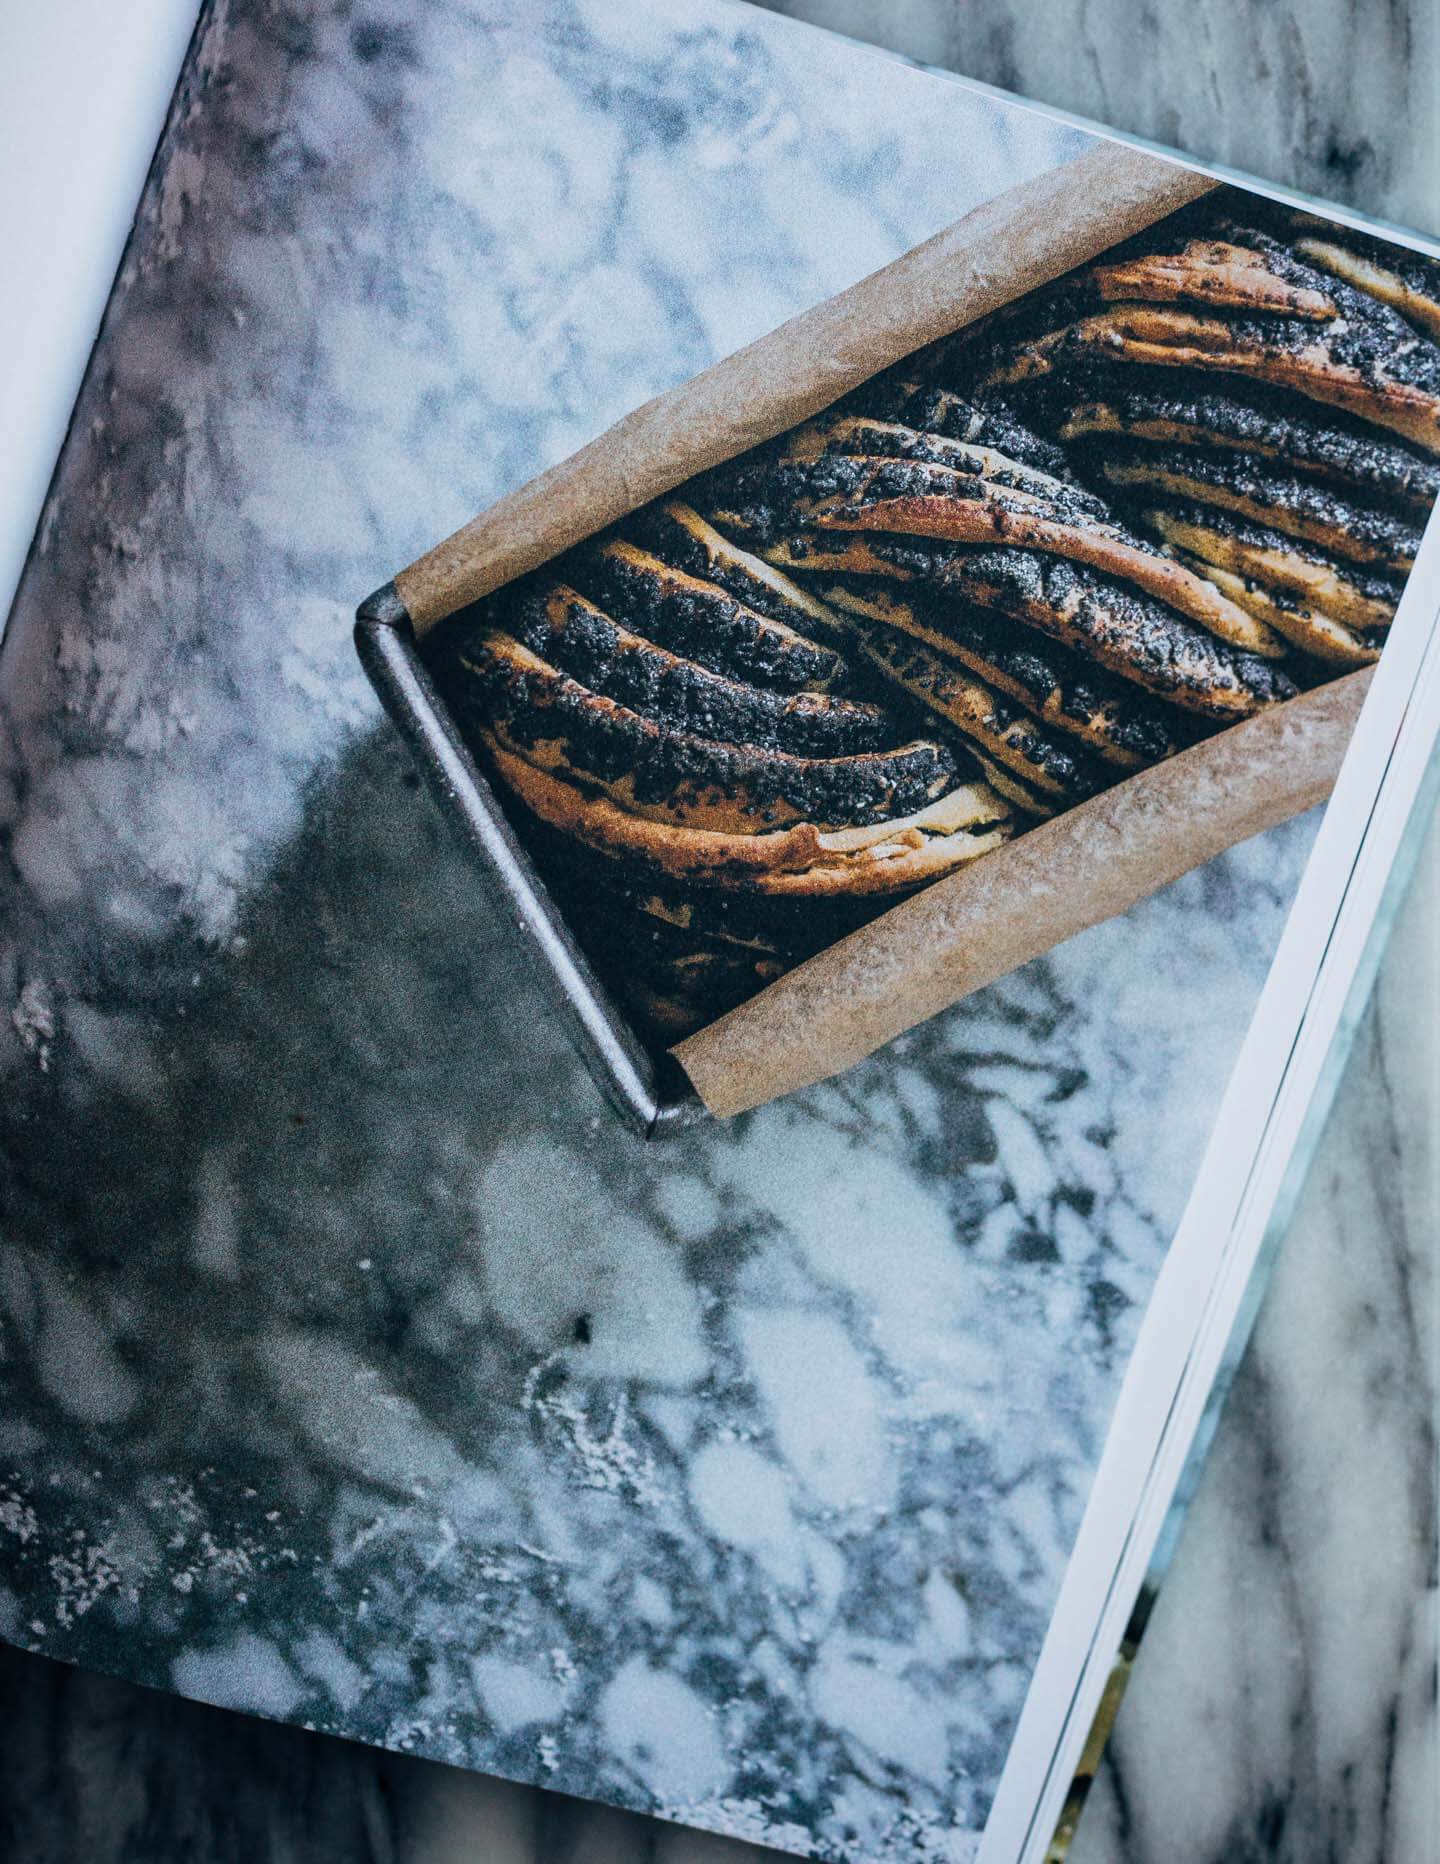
<point x="1332" y="97"/>
<point x="1281" y="1706"/>
<point x="335" y="1445"/>
<point x="1283" y="1703"/>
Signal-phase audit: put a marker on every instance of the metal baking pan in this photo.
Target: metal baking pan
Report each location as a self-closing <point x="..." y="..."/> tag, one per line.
<point x="761" y="391"/>
<point x="652" y="1093"/>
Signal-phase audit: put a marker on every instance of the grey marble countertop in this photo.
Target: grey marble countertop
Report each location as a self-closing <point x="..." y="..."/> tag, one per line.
<point x="1281" y="1707"/>
<point x="289" y="1484"/>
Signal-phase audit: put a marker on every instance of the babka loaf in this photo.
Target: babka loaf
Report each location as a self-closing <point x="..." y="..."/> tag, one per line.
<point x="1179" y="485"/>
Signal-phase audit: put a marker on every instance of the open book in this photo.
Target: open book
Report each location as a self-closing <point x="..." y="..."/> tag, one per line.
<point x="804" y="1475"/>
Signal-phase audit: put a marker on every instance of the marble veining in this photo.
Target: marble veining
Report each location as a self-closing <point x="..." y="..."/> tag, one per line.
<point x="359" y="1371"/>
<point x="1335" y="98"/>
<point x="1282" y="1703"/>
<point x="1291" y="1656"/>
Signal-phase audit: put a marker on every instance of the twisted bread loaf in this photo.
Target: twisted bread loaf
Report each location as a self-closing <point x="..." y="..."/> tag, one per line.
<point x="1174" y="488"/>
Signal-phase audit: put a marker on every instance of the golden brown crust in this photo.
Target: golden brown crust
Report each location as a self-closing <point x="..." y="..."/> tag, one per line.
<point x="840" y="553"/>
<point x="799" y="861"/>
<point x="994" y="725"/>
<point x="859" y="435"/>
<point x="927" y="408"/>
<point x="1121" y="628"/>
<point x="1211" y="272"/>
<point x="579" y="638"/>
<point x="1309" y="629"/>
<point x="1278" y="562"/>
<point x="672" y="776"/>
<point x="1182" y="339"/>
<point x="1408" y="282"/>
<point x="1025" y="797"/>
<point x="1216" y="417"/>
<point x="937" y="507"/>
<point x="1110" y="623"/>
<point x="1112" y="718"/>
<point x="682" y="747"/>
<point x="684" y="537"/>
<point x="1298" y="507"/>
<point x="702" y="620"/>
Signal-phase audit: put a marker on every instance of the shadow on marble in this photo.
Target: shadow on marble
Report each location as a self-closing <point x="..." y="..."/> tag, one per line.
<point x="1253" y="1760"/>
<point x="1282" y="1709"/>
<point x="98" y="1771"/>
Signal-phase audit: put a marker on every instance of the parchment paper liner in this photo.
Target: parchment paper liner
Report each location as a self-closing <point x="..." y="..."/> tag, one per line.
<point x="978" y="923"/>
<point x="984" y="920"/>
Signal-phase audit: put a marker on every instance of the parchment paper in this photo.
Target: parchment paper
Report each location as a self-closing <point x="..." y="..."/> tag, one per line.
<point x="982" y="921"/>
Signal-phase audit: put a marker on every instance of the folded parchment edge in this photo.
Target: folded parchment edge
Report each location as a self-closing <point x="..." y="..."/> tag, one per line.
<point x="983" y="921"/>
